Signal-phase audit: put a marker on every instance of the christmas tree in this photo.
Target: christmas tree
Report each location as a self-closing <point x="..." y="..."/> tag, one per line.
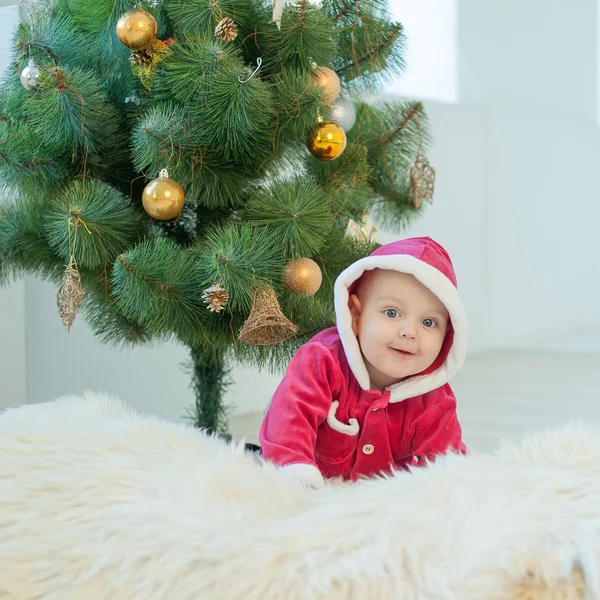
<point x="201" y="170"/>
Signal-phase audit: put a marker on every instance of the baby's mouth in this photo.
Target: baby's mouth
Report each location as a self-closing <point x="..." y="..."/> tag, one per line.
<point x="403" y="352"/>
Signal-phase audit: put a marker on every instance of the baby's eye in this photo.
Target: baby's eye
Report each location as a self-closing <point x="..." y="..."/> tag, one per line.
<point x="392" y="313"/>
<point x="429" y="322"/>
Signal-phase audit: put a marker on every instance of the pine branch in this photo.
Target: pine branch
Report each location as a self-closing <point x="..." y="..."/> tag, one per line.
<point x="295" y="215"/>
<point x="157" y="285"/>
<point x="92" y="221"/>
<point x="24" y="161"/>
<point x="393" y="133"/>
<point x="346" y="182"/>
<point x="192" y="68"/>
<point x="305" y="37"/>
<point x="414" y="111"/>
<point x="297" y="103"/>
<point x="23" y="246"/>
<point x="346" y="9"/>
<point x="132" y="270"/>
<point x="199" y="17"/>
<point x="104" y="318"/>
<point x="72" y="113"/>
<point x="33" y="164"/>
<point x="25" y="48"/>
<point x="238" y="257"/>
<point x="371" y="56"/>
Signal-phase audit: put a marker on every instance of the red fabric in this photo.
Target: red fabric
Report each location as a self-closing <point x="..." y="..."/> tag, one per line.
<point x="295" y="428"/>
<point x="423" y="248"/>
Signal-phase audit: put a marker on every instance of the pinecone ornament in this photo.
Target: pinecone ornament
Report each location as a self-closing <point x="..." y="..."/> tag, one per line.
<point x="226" y="30"/>
<point x="141" y="57"/>
<point x="215" y="297"/>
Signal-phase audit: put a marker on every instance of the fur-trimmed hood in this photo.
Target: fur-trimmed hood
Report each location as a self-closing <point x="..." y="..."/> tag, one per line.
<point x="430" y="264"/>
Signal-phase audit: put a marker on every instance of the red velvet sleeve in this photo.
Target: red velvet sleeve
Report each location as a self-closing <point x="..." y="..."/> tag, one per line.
<point x="439" y="431"/>
<point x="300" y="404"/>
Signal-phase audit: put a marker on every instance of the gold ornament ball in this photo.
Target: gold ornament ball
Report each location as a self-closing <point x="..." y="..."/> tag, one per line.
<point x="328" y="81"/>
<point x="328" y="142"/>
<point x="302" y="277"/>
<point x="163" y="198"/>
<point x="137" y="29"/>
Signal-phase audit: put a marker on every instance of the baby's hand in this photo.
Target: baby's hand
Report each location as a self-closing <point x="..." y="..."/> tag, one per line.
<point x="308" y="475"/>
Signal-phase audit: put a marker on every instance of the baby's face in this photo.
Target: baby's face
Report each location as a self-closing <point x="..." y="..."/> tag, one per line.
<point x="400" y="326"/>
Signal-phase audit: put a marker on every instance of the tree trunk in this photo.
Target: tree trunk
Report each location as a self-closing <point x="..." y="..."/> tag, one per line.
<point x="210" y="380"/>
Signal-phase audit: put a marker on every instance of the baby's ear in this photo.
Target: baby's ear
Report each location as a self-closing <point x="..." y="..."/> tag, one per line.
<point x="355" y="310"/>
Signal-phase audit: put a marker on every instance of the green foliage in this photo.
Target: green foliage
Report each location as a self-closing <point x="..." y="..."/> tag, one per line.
<point x="236" y="116"/>
<point x="24" y="161"/>
<point x="76" y="153"/>
<point x="222" y="110"/>
<point x="294" y="213"/>
<point x="71" y="111"/>
<point x="68" y="117"/>
<point x="93" y="221"/>
<point x="200" y="17"/>
<point x="346" y="182"/>
<point x="109" y="325"/>
<point x="297" y="103"/>
<point x="193" y="67"/>
<point x="238" y="257"/>
<point x="156" y="285"/>
<point x="371" y="46"/>
<point x="305" y="37"/>
<point x="393" y="134"/>
<point x="23" y="246"/>
<point x="164" y="137"/>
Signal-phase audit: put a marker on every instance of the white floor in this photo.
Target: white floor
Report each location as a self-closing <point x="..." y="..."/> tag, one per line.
<point x="503" y="395"/>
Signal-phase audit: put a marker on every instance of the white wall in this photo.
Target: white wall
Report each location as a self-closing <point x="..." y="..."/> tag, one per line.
<point x="528" y="103"/>
<point x="516" y="205"/>
<point x="65" y="363"/>
<point x="12" y="305"/>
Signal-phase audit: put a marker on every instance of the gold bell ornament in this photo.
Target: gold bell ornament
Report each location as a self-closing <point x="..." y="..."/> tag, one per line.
<point x="266" y="324"/>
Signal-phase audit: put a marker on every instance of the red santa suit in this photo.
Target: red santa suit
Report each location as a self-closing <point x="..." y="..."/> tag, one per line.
<point x="324" y="419"/>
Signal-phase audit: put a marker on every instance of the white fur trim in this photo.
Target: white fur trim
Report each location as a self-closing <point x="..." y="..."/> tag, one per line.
<point x="439" y="285"/>
<point x="351" y="428"/>
<point x="304" y="473"/>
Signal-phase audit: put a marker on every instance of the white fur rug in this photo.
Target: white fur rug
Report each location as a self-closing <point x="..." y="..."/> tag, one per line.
<point x="97" y="502"/>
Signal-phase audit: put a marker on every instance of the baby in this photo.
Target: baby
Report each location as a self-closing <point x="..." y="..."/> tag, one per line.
<point x="372" y="395"/>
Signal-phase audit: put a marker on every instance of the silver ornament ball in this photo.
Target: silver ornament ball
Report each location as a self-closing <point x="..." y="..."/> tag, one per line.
<point x="30" y="76"/>
<point x="343" y="113"/>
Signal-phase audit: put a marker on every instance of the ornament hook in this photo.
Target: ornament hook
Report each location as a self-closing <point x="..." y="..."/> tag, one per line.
<point x="259" y="63"/>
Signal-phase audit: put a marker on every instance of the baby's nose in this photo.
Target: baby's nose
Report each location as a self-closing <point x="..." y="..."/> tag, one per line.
<point x="408" y="330"/>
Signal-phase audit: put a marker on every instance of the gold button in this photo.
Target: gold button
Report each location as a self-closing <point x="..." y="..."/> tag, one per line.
<point x="368" y="449"/>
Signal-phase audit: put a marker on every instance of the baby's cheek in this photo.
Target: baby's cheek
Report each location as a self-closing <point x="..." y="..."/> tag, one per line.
<point x="435" y="345"/>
